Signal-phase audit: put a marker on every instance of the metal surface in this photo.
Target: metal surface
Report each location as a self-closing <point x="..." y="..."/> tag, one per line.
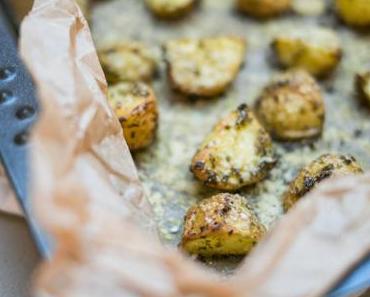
<point x="18" y="108"/>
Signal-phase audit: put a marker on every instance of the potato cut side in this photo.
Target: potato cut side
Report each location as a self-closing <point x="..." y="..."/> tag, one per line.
<point x="263" y="8"/>
<point x="291" y="106"/>
<point x="204" y="67"/>
<point x="354" y="12"/>
<point x="223" y="224"/>
<point x="127" y="61"/>
<point x="363" y="86"/>
<point x="316" y="50"/>
<point x="170" y="8"/>
<point x="309" y="8"/>
<point x="238" y="152"/>
<point x="136" y="108"/>
<point x="324" y="167"/>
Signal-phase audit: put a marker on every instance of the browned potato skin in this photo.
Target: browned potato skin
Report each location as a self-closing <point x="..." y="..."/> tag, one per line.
<point x="354" y="12"/>
<point x="362" y="82"/>
<point x="291" y="107"/>
<point x="136" y="108"/>
<point x="326" y="166"/>
<point x="238" y="152"/>
<point x="168" y="9"/>
<point x="316" y="50"/>
<point x="204" y="67"/>
<point x="127" y="61"/>
<point x="263" y="8"/>
<point x="223" y="224"/>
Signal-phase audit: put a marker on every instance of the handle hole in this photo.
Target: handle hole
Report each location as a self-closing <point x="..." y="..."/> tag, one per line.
<point x="7" y="73"/>
<point x="5" y="96"/>
<point x="25" y="112"/>
<point x="21" y="138"/>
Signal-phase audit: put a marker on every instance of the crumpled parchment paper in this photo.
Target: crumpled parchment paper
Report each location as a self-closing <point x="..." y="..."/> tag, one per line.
<point x="86" y="193"/>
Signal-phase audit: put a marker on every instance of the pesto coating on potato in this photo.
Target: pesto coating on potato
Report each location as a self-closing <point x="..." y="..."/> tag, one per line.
<point x="362" y="82"/>
<point x="354" y="12"/>
<point x="291" y="106"/>
<point x="204" y="67"/>
<point x="316" y="50"/>
<point x="223" y="224"/>
<point x="263" y="8"/>
<point x="127" y="61"/>
<point x="237" y="153"/>
<point x="324" y="167"/>
<point x="170" y="8"/>
<point x="136" y="108"/>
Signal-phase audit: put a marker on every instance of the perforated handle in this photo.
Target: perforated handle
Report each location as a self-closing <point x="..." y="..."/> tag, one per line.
<point x="18" y="111"/>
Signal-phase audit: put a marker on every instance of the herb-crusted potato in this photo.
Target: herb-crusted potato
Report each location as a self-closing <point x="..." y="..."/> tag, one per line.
<point x="263" y="8"/>
<point x="170" y="8"/>
<point x="127" y="61"/>
<point x="238" y="152"/>
<point x="204" y="67"/>
<point x="317" y="50"/>
<point x="223" y="224"/>
<point x="363" y="86"/>
<point x="326" y="166"/>
<point x="291" y="106"/>
<point x="136" y="108"/>
<point x="354" y="12"/>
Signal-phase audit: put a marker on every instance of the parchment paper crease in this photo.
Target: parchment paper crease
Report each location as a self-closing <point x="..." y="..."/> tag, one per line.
<point x="86" y="193"/>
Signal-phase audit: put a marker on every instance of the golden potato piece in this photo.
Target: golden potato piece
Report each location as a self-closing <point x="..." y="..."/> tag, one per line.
<point x="238" y="152"/>
<point x="363" y="86"/>
<point x="223" y="224"/>
<point x="170" y="8"/>
<point x="263" y="8"/>
<point x="316" y="50"/>
<point x="127" y="61"/>
<point x="136" y="108"/>
<point x="204" y="67"/>
<point x="326" y="166"/>
<point x="354" y="12"/>
<point x="291" y="106"/>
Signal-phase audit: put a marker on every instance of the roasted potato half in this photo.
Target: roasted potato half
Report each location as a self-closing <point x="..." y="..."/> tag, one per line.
<point x="170" y="8"/>
<point x="354" y="12"/>
<point x="204" y="67"/>
<point x="363" y="86"/>
<point x="326" y="166"/>
<point x="263" y="8"/>
<point x="316" y="50"/>
<point x="136" y="108"/>
<point x="238" y="152"/>
<point x="127" y="61"/>
<point x="221" y="225"/>
<point x="291" y="106"/>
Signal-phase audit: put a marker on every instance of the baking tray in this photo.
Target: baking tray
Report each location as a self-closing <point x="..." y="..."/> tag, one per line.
<point x="185" y="121"/>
